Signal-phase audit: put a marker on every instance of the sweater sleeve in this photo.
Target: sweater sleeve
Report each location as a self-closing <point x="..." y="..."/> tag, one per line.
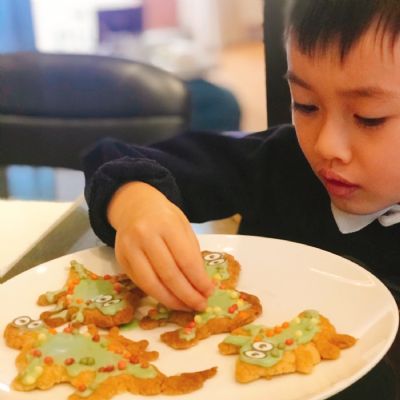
<point x="208" y="175"/>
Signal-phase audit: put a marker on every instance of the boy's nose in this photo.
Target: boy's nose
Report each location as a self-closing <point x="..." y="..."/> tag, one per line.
<point x="333" y="142"/>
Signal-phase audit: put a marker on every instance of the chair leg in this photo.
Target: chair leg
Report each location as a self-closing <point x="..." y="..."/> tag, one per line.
<point x="3" y="183"/>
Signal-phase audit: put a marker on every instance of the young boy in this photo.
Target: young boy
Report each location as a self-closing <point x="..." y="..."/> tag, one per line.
<point x="331" y="181"/>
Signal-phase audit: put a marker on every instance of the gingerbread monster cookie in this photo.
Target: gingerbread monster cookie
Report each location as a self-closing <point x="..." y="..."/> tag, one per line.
<point x="87" y="298"/>
<point x="295" y="346"/>
<point x="226" y="309"/>
<point x="97" y="366"/>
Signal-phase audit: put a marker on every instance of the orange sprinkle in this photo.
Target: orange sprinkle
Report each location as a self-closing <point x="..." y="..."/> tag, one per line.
<point x="122" y="364"/>
<point x="270" y="333"/>
<point x="289" y="342"/>
<point x="79" y="301"/>
<point x="285" y="325"/>
<point x="81" y="388"/>
<point x="278" y="329"/>
<point x="153" y="312"/>
<point x="107" y="277"/>
<point x="52" y="331"/>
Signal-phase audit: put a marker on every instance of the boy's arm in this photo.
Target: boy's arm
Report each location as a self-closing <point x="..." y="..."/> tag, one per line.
<point x="207" y="175"/>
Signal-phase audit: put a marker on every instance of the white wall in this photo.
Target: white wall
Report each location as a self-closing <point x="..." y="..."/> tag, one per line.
<point x="71" y="25"/>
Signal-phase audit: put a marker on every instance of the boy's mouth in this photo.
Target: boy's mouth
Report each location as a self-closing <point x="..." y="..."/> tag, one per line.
<point x="336" y="185"/>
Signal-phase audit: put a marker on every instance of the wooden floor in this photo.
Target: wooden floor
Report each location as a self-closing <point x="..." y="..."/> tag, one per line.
<point x="242" y="70"/>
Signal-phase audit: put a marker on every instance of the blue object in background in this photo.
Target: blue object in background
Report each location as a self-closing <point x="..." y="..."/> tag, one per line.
<point x="16" y="26"/>
<point x="213" y="108"/>
<point x="16" y="34"/>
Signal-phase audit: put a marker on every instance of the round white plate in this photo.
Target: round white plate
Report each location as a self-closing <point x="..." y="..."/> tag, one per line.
<point x="287" y="277"/>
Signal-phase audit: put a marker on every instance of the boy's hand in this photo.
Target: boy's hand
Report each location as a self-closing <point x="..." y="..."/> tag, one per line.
<point x="156" y="246"/>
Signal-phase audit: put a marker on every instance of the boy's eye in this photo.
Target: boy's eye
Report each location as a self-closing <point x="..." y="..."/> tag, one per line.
<point x="369" y="122"/>
<point x="304" y="108"/>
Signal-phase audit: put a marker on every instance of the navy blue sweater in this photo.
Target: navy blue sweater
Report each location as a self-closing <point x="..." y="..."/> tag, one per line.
<point x="263" y="176"/>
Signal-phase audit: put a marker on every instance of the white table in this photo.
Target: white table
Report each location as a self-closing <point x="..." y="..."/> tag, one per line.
<point x="34" y="232"/>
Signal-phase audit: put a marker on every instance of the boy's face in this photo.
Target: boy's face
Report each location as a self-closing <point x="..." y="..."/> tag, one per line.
<point x="347" y="119"/>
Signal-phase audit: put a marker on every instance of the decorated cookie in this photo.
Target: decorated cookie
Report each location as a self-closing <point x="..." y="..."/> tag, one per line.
<point x="226" y="309"/>
<point x="87" y="298"/>
<point x="222" y="268"/>
<point x="294" y="346"/>
<point x="98" y="366"/>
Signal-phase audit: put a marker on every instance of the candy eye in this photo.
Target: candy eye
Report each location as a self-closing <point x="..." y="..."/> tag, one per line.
<point x="111" y="302"/>
<point x="262" y="346"/>
<point x="21" y="321"/>
<point x="213" y="256"/>
<point x="35" y="324"/>
<point x="254" y="354"/>
<point x="103" y="298"/>
<point x="216" y="262"/>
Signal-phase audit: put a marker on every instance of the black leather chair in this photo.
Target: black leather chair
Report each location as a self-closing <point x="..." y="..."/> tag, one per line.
<point x="52" y="106"/>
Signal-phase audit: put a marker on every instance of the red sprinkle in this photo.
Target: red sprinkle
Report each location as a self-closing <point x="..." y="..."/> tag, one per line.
<point x="36" y="353"/>
<point x="121" y="364"/>
<point x="107" y="277"/>
<point x="109" y="368"/>
<point x="69" y="361"/>
<point x="118" y="287"/>
<point x="134" y="360"/>
<point x="289" y="341"/>
<point x="48" y="360"/>
<point x="191" y="325"/>
<point x="96" y="338"/>
<point x="233" y="308"/>
<point x="68" y="329"/>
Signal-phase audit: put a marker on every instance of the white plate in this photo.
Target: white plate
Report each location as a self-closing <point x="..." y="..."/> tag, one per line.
<point x="287" y="277"/>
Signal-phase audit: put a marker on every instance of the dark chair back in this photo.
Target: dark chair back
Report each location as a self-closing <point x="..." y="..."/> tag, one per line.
<point x="278" y="94"/>
<point x="53" y="106"/>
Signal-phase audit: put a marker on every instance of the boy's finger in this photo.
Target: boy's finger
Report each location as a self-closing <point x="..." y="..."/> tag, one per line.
<point x="142" y="274"/>
<point x="189" y="260"/>
<point x="172" y="277"/>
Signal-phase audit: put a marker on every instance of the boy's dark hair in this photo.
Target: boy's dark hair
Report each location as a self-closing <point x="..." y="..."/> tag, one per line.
<point x="318" y="24"/>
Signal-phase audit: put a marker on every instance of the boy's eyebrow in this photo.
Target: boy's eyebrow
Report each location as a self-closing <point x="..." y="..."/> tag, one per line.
<point x="367" y="91"/>
<point x="293" y="78"/>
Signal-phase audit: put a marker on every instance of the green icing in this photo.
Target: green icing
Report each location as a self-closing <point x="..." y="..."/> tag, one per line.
<point x="220" y="269"/>
<point x="237" y="340"/>
<point x="187" y="335"/>
<point x="51" y="296"/>
<point x="87" y="289"/>
<point x="82" y="272"/>
<point x="301" y="330"/>
<point x="81" y="348"/>
<point x="222" y="300"/>
<point x="131" y="325"/>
